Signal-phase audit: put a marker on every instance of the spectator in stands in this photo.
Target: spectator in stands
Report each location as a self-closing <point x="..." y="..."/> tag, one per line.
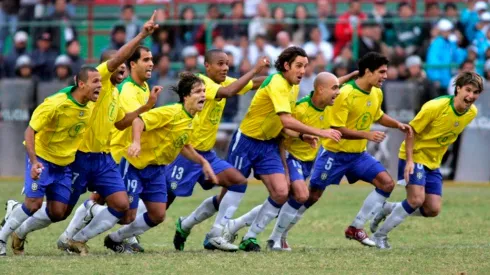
<point x="62" y="69"/>
<point x="259" y="24"/>
<point x="370" y="40"/>
<point x="43" y="57"/>
<point x="73" y="52"/>
<point x="317" y="46"/>
<point x="261" y="48"/>
<point x="8" y="19"/>
<point x="212" y="14"/>
<point x="407" y="32"/>
<point x="220" y="43"/>
<point x="487" y="73"/>
<point x="234" y="31"/>
<point x="23" y="67"/>
<point x="482" y="35"/>
<point x="346" y="23"/>
<point x="382" y="16"/>
<point x="252" y="7"/>
<point x="324" y="12"/>
<point x="306" y="84"/>
<point x="163" y="76"/>
<point x="186" y="31"/>
<point x="280" y="24"/>
<point x="441" y="51"/>
<point x="466" y="66"/>
<point x="283" y="41"/>
<point x="340" y="68"/>
<point x="65" y="30"/>
<point x="26" y="12"/>
<point x="118" y="37"/>
<point x="130" y="21"/>
<point x="68" y="7"/>
<point x="470" y="17"/>
<point x="189" y="55"/>
<point x="346" y="57"/>
<point x="163" y="41"/>
<point x="301" y="26"/>
<point x="432" y="15"/>
<point x="425" y="90"/>
<point x="20" y="48"/>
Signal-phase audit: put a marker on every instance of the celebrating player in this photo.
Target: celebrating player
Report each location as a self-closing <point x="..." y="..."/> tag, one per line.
<point x="436" y="126"/>
<point x="52" y="138"/>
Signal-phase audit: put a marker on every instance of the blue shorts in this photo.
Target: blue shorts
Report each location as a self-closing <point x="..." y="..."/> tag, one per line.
<point x="331" y="167"/>
<point x="54" y="182"/>
<point x="182" y="174"/>
<point x="149" y="184"/>
<point x="423" y="176"/>
<point x="246" y="153"/>
<point x="298" y="170"/>
<point x="96" y="172"/>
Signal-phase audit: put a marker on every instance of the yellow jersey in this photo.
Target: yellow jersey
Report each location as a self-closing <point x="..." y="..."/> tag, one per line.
<point x="60" y="123"/>
<point x="106" y="112"/>
<point x="207" y="123"/>
<point x="436" y="126"/>
<point x="131" y="97"/>
<point x="354" y="109"/>
<point x="167" y="130"/>
<point x="274" y="96"/>
<point x="312" y="116"/>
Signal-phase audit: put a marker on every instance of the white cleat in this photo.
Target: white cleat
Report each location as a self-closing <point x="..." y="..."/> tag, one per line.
<point x="381" y="242"/>
<point x="228" y="234"/>
<point x="222" y="244"/>
<point x="10" y="205"/>
<point x="274" y="245"/>
<point x="3" y="248"/>
<point x="285" y="245"/>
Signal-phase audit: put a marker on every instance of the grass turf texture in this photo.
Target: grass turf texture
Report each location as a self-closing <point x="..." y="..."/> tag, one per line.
<point x="456" y="242"/>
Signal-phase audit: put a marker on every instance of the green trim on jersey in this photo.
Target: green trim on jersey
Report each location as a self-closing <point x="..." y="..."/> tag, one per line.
<point x="183" y="108"/>
<point x="267" y="80"/>
<point x="451" y="103"/>
<point x="68" y="90"/>
<point x="308" y="100"/>
<point x="354" y="84"/>
<point x="129" y="79"/>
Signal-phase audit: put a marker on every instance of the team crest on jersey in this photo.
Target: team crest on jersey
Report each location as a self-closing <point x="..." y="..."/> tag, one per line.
<point x="321" y="118"/>
<point x="130" y="199"/>
<point x="419" y="175"/>
<point x="173" y="185"/>
<point x="81" y="113"/>
<point x="324" y="176"/>
<point x="369" y="103"/>
<point x="34" y="186"/>
<point x="300" y="171"/>
<point x="456" y="124"/>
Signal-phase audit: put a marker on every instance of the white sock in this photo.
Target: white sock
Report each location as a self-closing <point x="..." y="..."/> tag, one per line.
<point x="76" y="223"/>
<point x="418" y="213"/>
<point x="39" y="220"/>
<point x="227" y="208"/>
<point x="16" y="218"/>
<point x="204" y="211"/>
<point x="141" y="208"/>
<point x="393" y="220"/>
<point x="137" y="227"/>
<point x="245" y="220"/>
<point x="388" y="207"/>
<point x="286" y="216"/>
<point x="296" y="219"/>
<point x="101" y="223"/>
<point x="372" y="203"/>
<point x="96" y="209"/>
<point x="266" y="214"/>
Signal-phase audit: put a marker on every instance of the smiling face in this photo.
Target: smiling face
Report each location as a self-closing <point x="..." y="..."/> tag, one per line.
<point x="296" y="70"/>
<point x="217" y="67"/>
<point x="143" y="66"/>
<point x="467" y="95"/>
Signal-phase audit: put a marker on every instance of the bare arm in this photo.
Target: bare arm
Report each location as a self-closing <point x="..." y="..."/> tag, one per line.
<point x="129" y="117"/>
<point x="390" y="122"/>
<point x="189" y="153"/>
<point x="348" y="77"/>
<point x="282" y="152"/>
<point x="409" y="165"/>
<point x="289" y="122"/>
<point x="257" y="81"/>
<point x="138" y="128"/>
<point x="352" y="134"/>
<point x="36" y="167"/>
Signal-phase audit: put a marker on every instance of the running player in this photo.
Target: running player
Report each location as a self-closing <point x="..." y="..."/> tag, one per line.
<point x="167" y="133"/>
<point x="183" y="174"/>
<point x="256" y="145"/>
<point x="52" y="138"/>
<point x="354" y="111"/>
<point x="435" y="127"/>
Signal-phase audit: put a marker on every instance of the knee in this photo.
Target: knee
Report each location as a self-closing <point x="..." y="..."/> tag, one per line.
<point x="57" y="215"/>
<point x="280" y="195"/>
<point x="120" y="205"/>
<point x="128" y="217"/>
<point x="387" y="185"/>
<point x="33" y="204"/>
<point x="314" y="197"/>
<point x="416" y="201"/>
<point x="432" y="212"/>
<point x="98" y="199"/>
<point x="301" y="197"/>
<point x="157" y="218"/>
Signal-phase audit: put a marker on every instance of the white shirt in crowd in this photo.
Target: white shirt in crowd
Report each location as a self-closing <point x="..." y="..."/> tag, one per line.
<point x="313" y="49"/>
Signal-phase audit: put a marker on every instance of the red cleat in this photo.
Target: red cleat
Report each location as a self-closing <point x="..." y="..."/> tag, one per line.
<point x="359" y="235"/>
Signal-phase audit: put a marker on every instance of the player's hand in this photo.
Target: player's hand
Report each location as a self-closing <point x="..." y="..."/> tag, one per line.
<point x="353" y="74"/>
<point x="262" y="63"/>
<point x="150" y="26"/>
<point x="155" y="92"/>
<point x="332" y="134"/>
<point x="134" y="150"/>
<point x="406" y="129"/>
<point x="311" y="140"/>
<point x="36" y="170"/>
<point x="376" y="136"/>
<point x="209" y="173"/>
<point x="408" y="170"/>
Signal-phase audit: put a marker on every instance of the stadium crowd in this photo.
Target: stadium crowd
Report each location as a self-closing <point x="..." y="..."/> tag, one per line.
<point x="443" y="35"/>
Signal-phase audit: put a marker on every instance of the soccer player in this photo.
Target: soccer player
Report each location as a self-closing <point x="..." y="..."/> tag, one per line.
<point x="52" y="138"/>
<point x="183" y="174"/>
<point x="256" y="145"/>
<point x="301" y="152"/>
<point x="435" y="127"/>
<point x="167" y="133"/>
<point x="357" y="107"/>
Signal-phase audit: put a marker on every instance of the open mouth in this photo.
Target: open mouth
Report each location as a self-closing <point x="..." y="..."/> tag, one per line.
<point x="468" y="101"/>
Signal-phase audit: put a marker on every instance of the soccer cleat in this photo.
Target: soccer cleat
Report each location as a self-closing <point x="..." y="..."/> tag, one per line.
<point x="221" y="244"/>
<point x="117" y="247"/>
<point x="378" y="218"/>
<point x="133" y="244"/>
<point x="180" y="235"/>
<point x="381" y="242"/>
<point x="17" y="244"/>
<point x="229" y="235"/>
<point x="359" y="235"/>
<point x="250" y="245"/>
<point x="207" y="245"/>
<point x="285" y="245"/>
<point x="273" y="245"/>
<point x="78" y="247"/>
<point x="3" y="248"/>
<point x="63" y="246"/>
<point x="9" y="207"/>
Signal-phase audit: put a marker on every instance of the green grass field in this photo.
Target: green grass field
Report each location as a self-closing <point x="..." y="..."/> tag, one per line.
<point x="456" y="242"/>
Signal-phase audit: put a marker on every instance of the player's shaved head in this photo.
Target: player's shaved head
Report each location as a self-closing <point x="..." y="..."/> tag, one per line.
<point x="106" y="55"/>
<point x="324" y="79"/>
<point x="210" y="55"/>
